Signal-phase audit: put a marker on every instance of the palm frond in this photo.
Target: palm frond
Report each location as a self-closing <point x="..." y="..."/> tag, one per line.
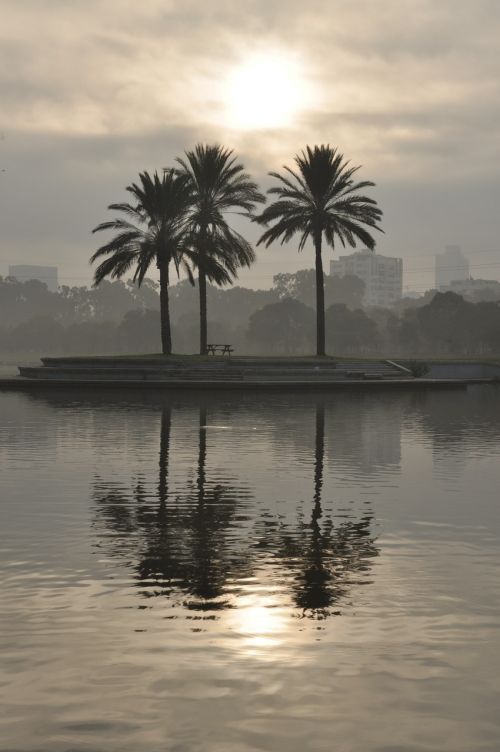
<point x="320" y="197"/>
<point x="219" y="186"/>
<point x="157" y="236"/>
<point x="115" y="267"/>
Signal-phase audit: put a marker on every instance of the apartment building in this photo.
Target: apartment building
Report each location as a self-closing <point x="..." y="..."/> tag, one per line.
<point x="382" y="275"/>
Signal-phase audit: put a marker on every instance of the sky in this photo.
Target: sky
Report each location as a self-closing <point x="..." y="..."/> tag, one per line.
<point x="95" y="91"/>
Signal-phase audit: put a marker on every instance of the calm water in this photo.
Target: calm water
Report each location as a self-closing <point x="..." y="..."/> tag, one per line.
<point x="229" y="574"/>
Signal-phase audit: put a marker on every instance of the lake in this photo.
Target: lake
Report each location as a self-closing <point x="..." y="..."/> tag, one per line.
<point x="250" y="572"/>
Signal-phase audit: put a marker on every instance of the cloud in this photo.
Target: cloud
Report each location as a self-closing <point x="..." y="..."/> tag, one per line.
<point x="93" y="91"/>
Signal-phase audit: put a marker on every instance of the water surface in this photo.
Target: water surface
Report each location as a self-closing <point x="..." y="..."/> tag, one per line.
<point x="244" y="572"/>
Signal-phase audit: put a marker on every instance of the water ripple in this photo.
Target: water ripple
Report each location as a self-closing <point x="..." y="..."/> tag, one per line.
<point x="249" y="572"/>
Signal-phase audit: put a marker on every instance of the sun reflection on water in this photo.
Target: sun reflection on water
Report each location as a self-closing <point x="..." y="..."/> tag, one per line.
<point x="261" y="624"/>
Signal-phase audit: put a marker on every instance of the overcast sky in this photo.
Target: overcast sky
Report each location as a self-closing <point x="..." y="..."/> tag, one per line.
<point x="93" y="91"/>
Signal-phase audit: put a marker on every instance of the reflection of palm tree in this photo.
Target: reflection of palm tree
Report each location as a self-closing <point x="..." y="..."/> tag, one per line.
<point x="206" y="584"/>
<point x="321" y="558"/>
<point x="166" y="424"/>
<point x="160" y="563"/>
<point x="316" y="576"/>
<point x="319" y="458"/>
<point x="189" y="545"/>
<point x="181" y="545"/>
<point x="212" y="559"/>
<point x="312" y="589"/>
<point x="202" y="454"/>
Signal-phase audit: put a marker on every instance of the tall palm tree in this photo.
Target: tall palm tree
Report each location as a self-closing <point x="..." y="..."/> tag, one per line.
<point x="320" y="200"/>
<point x="220" y="185"/>
<point x="154" y="231"/>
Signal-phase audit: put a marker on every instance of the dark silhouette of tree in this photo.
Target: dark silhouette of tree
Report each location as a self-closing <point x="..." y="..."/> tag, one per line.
<point x="154" y="232"/>
<point x="447" y="322"/>
<point x="284" y="328"/>
<point x="40" y="329"/>
<point x="121" y="317"/>
<point x="22" y="301"/>
<point x="320" y="200"/>
<point x="350" y="331"/>
<point x="219" y="185"/>
<point x="301" y="285"/>
<point x="139" y="327"/>
<point x="239" y="302"/>
<point x="348" y="290"/>
<point x="407" y="334"/>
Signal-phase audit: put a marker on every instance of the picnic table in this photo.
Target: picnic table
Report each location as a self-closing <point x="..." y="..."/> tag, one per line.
<point x="213" y="349"/>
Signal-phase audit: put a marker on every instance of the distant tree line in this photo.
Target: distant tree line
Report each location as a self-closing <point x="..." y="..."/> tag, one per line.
<point x="121" y="317"/>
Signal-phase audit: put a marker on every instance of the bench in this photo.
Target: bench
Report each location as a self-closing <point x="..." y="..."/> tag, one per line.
<point x="213" y="349"/>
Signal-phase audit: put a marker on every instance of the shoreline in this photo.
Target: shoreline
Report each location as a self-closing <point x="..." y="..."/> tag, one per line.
<point x="241" y="373"/>
<point x="18" y="383"/>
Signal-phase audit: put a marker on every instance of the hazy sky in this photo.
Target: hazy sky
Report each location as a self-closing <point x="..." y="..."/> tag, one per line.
<point x="93" y="91"/>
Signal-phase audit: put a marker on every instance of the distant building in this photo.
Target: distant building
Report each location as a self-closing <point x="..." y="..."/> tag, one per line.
<point x="451" y="265"/>
<point x="382" y="275"/>
<point x="47" y="274"/>
<point x="475" y="289"/>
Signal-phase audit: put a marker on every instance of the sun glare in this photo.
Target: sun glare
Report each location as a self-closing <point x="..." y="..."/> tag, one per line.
<point x="266" y="91"/>
<point x="261" y="626"/>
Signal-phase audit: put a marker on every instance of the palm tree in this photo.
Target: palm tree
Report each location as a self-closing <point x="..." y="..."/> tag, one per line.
<point x="154" y="231"/>
<point x="219" y="185"/>
<point x="320" y="199"/>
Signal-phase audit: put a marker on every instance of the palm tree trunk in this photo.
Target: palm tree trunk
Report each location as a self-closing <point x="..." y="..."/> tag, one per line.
<point x="202" y="454"/>
<point x="166" y="336"/>
<point x="319" y="455"/>
<point x="166" y="422"/>
<point x="320" y="299"/>
<point x="202" y="283"/>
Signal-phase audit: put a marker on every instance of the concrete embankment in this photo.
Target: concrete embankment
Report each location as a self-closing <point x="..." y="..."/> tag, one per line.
<point x="191" y="372"/>
<point x="463" y="370"/>
<point x="211" y="369"/>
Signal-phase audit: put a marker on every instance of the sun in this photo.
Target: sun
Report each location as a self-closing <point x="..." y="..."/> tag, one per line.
<point x="265" y="91"/>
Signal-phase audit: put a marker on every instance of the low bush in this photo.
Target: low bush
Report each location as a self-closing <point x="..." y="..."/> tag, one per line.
<point x="418" y="368"/>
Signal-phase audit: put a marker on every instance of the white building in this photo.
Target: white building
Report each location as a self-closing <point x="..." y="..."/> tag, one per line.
<point x="451" y="266"/>
<point x="46" y="274"/>
<point x="382" y="275"/>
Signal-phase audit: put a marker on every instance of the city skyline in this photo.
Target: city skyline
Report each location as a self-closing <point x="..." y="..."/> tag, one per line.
<point x="476" y="271"/>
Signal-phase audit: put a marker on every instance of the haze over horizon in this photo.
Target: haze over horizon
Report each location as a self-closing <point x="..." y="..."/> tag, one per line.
<point x="93" y="94"/>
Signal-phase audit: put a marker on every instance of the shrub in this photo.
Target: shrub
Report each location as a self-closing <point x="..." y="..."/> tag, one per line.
<point x="418" y="368"/>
